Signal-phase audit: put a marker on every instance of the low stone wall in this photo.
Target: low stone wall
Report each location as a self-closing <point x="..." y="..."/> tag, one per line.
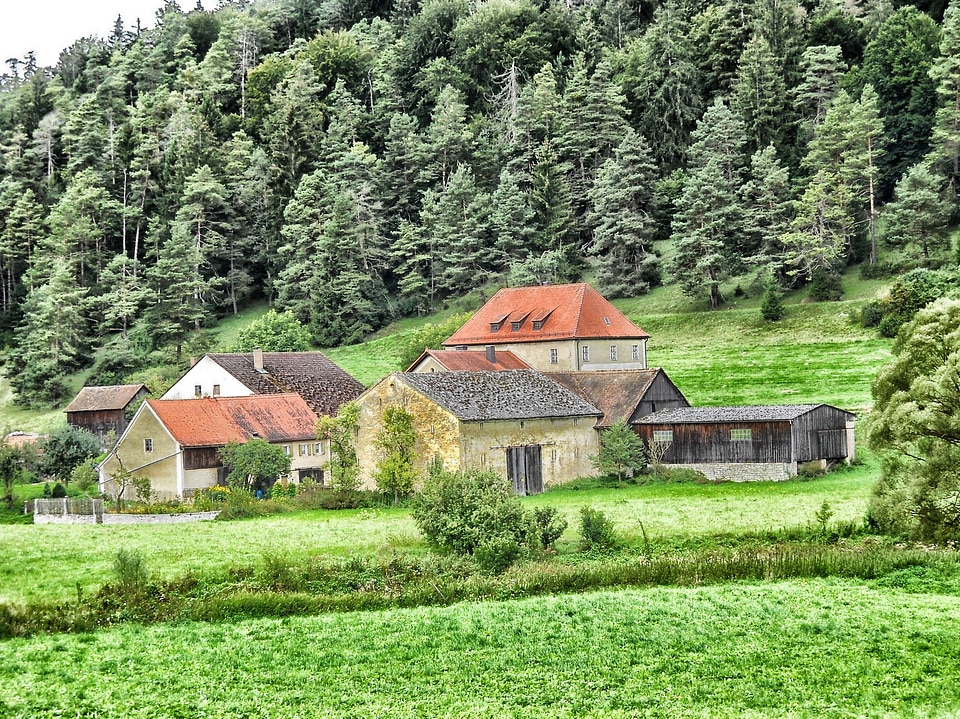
<point x="744" y="471"/>
<point x="90" y="511"/>
<point x="159" y="518"/>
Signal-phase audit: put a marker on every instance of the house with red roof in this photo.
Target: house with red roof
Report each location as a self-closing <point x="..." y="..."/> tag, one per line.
<point x="175" y="443"/>
<point x="490" y="360"/>
<point x="555" y="328"/>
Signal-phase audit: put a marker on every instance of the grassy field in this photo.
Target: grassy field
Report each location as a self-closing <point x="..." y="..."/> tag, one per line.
<point x="48" y="561"/>
<point x="827" y="649"/>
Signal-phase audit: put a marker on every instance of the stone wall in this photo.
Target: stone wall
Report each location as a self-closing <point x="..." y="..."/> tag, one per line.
<point x="743" y="472"/>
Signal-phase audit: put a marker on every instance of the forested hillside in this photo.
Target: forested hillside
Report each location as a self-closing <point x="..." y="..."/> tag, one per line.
<point x="357" y="160"/>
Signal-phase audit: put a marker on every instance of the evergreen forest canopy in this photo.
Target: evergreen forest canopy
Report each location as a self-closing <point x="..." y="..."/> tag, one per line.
<point x="355" y="160"/>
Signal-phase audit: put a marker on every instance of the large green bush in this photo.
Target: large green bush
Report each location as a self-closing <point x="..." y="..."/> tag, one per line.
<point x="464" y="511"/>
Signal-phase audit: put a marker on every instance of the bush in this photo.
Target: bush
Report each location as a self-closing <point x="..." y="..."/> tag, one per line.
<point x="772" y="308"/>
<point x="131" y="573"/>
<point x="548" y="525"/>
<point x="465" y="510"/>
<point x="58" y="491"/>
<point x="496" y="554"/>
<point x="596" y="531"/>
<point x="826" y="286"/>
<point x="871" y="315"/>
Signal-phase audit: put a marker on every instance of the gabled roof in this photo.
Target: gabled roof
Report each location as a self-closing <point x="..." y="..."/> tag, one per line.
<point x="107" y="397"/>
<point x="715" y="415"/>
<point x="214" y="421"/>
<point x="321" y="383"/>
<point x="472" y="361"/>
<point x="575" y="311"/>
<point x="508" y="394"/>
<point x="616" y="392"/>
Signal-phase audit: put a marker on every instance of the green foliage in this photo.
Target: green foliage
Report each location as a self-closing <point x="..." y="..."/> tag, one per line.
<point x="58" y="491"/>
<point x="340" y="432"/>
<point x="621" y="451"/>
<point x="396" y="441"/>
<point x="915" y="426"/>
<point x="130" y="572"/>
<point x="428" y="337"/>
<point x="85" y="475"/>
<point x="772" y="308"/>
<point x="549" y="525"/>
<point x="274" y="332"/>
<point x="65" y="449"/>
<point x="464" y="511"/>
<point x="255" y="464"/>
<point x="9" y="471"/>
<point x="912" y="292"/>
<point x="597" y="532"/>
<point x="825" y="286"/>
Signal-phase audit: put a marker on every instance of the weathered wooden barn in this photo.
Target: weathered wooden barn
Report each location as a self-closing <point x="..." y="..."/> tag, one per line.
<point x="101" y="410"/>
<point x="627" y="395"/>
<point x="750" y="443"/>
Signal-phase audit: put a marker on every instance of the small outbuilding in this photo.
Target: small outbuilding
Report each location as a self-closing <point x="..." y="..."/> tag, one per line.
<point x="766" y="442"/>
<point x="101" y="410"/>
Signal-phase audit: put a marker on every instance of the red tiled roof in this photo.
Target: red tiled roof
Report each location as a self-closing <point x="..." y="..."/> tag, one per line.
<point x="214" y="421"/>
<point x="91" y="399"/>
<point x="474" y="361"/>
<point x="574" y="311"/>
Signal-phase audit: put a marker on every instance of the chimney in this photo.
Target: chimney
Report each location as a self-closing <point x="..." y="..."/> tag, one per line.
<point x="258" y="359"/>
<point x="491" y="354"/>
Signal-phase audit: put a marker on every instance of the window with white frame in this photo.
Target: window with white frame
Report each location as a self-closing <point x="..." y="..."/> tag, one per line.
<point x="613" y="353"/>
<point x="197" y="390"/>
<point x="304" y="450"/>
<point x="741" y="435"/>
<point x="554" y="356"/>
<point x="585" y="353"/>
<point x="148" y="444"/>
<point x="663" y="435"/>
<point x="636" y="352"/>
<point x="216" y="390"/>
<point x="286" y="449"/>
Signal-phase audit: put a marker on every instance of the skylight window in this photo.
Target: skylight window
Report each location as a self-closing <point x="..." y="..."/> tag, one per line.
<point x="606" y="321"/>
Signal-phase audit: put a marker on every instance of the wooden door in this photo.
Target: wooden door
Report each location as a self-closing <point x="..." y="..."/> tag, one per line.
<point x="525" y="469"/>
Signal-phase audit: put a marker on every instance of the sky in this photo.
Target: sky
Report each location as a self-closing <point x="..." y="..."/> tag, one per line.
<point x="48" y="26"/>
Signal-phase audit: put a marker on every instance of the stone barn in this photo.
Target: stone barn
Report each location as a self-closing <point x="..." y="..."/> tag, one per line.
<point x="765" y="442"/>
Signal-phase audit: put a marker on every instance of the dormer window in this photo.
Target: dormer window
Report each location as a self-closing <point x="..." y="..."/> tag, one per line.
<point x="495" y="326"/>
<point x="537" y="324"/>
<point x="515" y="326"/>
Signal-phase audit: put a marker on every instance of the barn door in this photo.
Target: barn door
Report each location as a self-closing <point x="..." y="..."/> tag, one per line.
<point x="524" y="469"/>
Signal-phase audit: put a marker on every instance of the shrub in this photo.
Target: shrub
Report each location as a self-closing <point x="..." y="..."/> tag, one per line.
<point x="871" y="315"/>
<point x="131" y="572"/>
<point x="58" y="491"/>
<point x="496" y="554"/>
<point x="549" y="525"/>
<point x="825" y="286"/>
<point x="772" y="308"/>
<point x="596" y="531"/>
<point x="84" y="475"/>
<point x="462" y="511"/>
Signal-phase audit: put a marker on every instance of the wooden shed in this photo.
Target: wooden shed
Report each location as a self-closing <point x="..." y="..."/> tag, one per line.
<point x="103" y="409"/>
<point x="751" y="442"/>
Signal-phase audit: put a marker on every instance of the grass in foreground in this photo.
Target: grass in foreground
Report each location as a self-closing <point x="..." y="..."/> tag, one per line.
<point x="47" y="562"/>
<point x="826" y="649"/>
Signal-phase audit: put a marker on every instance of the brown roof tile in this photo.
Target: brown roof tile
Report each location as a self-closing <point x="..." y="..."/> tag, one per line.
<point x="320" y="382"/>
<point x="214" y="421"/>
<point x="575" y="311"/>
<point x="92" y="399"/>
<point x="615" y="392"/>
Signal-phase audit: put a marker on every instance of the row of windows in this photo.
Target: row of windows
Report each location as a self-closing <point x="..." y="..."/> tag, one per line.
<point x="198" y="390"/>
<point x="614" y="354"/>
<point x="736" y="435"/>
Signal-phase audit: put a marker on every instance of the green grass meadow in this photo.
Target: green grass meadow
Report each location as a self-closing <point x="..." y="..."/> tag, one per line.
<point x="823" y="648"/>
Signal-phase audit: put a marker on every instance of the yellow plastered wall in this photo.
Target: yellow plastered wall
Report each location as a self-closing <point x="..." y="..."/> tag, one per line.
<point x="160" y="465"/>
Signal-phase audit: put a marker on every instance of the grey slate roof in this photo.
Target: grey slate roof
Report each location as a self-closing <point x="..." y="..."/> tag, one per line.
<point x="707" y="415"/>
<point x="322" y="384"/>
<point x="616" y="392"/>
<point x="506" y="394"/>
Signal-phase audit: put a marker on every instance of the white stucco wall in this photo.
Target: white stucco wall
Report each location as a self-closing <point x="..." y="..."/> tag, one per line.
<point x="206" y="373"/>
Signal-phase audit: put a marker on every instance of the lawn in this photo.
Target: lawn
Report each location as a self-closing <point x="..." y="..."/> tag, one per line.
<point x="828" y="649"/>
<point x="40" y="562"/>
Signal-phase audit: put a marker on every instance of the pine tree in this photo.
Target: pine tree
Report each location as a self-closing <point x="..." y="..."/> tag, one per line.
<point x="946" y="73"/>
<point x="918" y="217"/>
<point x="760" y="95"/>
<point x="622" y="199"/>
<point x="822" y="67"/>
<point x="767" y="210"/>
